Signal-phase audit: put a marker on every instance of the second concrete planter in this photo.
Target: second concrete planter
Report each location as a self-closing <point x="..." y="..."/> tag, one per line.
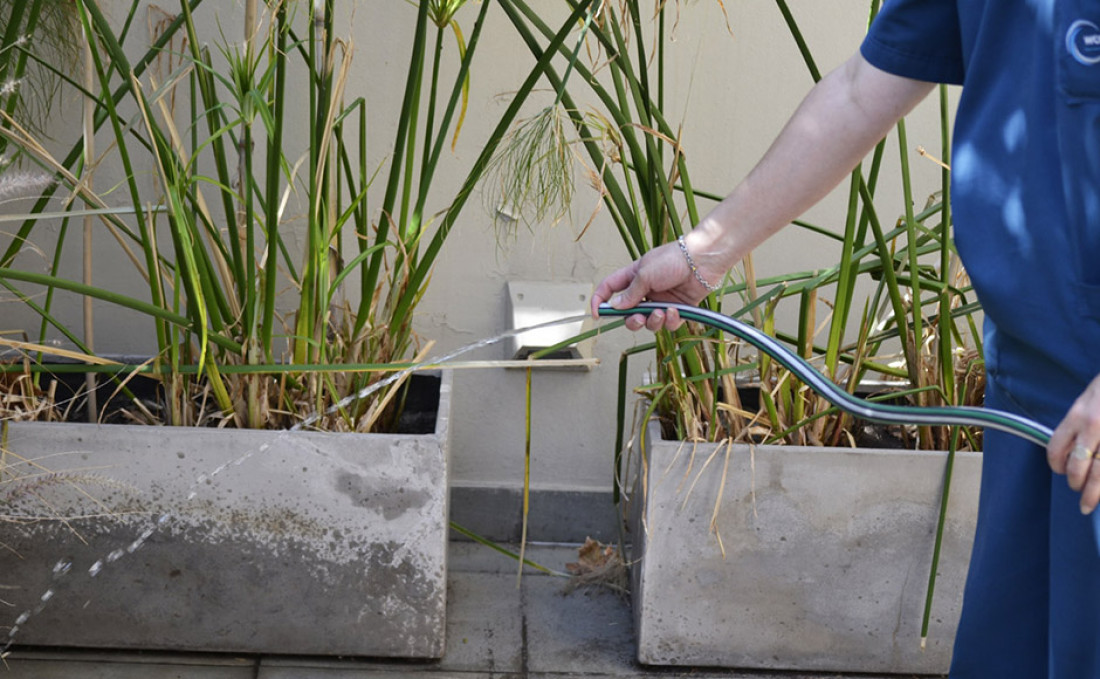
<point x="827" y="556"/>
<point x="230" y="541"/>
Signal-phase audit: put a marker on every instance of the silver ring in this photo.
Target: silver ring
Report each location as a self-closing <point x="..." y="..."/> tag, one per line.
<point x="1081" y="453"/>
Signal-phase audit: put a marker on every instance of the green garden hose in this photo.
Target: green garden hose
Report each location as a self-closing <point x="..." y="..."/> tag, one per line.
<point x="873" y="412"/>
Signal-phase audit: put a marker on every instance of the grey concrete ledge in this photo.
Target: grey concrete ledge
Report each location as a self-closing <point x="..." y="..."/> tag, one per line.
<point x="566" y="516"/>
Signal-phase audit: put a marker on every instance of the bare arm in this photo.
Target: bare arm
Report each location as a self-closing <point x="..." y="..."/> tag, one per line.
<point x="837" y="124"/>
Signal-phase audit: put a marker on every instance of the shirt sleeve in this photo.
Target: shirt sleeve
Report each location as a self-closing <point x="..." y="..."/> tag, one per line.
<point x="917" y="39"/>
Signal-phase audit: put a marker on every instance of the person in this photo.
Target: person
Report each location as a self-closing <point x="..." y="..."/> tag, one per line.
<point x="1026" y="200"/>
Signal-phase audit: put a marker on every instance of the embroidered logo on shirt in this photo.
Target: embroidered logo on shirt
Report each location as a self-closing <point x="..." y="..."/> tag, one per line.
<point x="1083" y="42"/>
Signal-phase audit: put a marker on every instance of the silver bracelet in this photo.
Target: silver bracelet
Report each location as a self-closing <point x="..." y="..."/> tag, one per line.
<point x="695" y="269"/>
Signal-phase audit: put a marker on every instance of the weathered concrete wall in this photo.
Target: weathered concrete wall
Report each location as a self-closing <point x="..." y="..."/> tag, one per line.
<point x="795" y="558"/>
<point x="232" y="541"/>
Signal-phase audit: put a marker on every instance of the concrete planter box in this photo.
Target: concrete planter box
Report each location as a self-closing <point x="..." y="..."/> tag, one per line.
<point x="258" y="542"/>
<point x="827" y="556"/>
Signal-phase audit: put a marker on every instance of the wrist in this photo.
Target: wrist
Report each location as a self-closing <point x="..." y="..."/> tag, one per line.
<point x="699" y="277"/>
<point x="712" y="249"/>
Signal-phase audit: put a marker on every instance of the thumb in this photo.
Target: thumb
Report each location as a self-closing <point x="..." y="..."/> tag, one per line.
<point x="632" y="296"/>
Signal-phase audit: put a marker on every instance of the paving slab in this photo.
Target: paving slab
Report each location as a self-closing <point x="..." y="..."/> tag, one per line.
<point x="484" y="623"/>
<point x="588" y="631"/>
<point x="484" y="635"/>
<point x="474" y="557"/>
<point x="325" y="663"/>
<point x="102" y="665"/>
<point x="353" y="671"/>
<point x="696" y="673"/>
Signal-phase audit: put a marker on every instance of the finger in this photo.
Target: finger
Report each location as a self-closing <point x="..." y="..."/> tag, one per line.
<point x="632" y="296"/>
<point x="1081" y="420"/>
<point x="672" y="319"/>
<point x="1090" y="494"/>
<point x="1074" y="443"/>
<point x="594" y="303"/>
<point x="619" y="280"/>
<point x="1061" y="444"/>
<point x="656" y="320"/>
<point x="1079" y="462"/>
<point x="635" y="322"/>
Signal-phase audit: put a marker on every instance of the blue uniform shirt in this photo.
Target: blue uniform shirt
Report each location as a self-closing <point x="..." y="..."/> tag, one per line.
<point x="1025" y="172"/>
<point x="1025" y="185"/>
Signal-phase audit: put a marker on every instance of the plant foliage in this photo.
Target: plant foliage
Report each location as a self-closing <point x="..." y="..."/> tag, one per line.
<point x="915" y="328"/>
<point x="256" y="241"/>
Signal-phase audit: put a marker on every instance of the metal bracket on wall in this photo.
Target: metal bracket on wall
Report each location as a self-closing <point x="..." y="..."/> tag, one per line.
<point x="534" y="302"/>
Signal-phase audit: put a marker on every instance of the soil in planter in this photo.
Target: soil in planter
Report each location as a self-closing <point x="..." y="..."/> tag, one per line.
<point x="866" y="434"/>
<point x="421" y="405"/>
<point x="419" y="400"/>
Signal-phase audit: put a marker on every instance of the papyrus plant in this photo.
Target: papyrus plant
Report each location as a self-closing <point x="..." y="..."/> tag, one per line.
<point x="253" y="329"/>
<point x="915" y="326"/>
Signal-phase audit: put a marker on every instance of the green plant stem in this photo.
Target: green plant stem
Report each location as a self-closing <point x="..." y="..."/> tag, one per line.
<point x="418" y="276"/>
<point x="154" y="311"/>
<point x="409" y="104"/>
<point x="10" y="37"/>
<point x="405" y="293"/>
<point x="620" y="417"/>
<point x="215" y="121"/>
<point x="526" y="469"/>
<point x="948" y="473"/>
<point x="55" y="268"/>
<point x="506" y="552"/>
<point x="846" y="274"/>
<point x="910" y="232"/>
<point x="44" y="314"/>
<point x="95" y="23"/>
<point x="415" y="224"/>
<point x="274" y="155"/>
<point x="796" y="33"/>
<point x="891" y="282"/>
<point x="947" y="367"/>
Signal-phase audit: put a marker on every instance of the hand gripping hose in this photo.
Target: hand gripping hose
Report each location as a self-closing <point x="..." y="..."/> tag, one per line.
<point x="873" y="412"/>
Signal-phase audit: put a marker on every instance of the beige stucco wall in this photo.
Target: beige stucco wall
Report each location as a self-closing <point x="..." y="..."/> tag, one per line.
<point x="732" y="94"/>
<point x="730" y="88"/>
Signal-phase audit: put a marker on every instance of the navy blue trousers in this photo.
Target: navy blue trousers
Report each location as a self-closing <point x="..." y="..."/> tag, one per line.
<point x="1031" y="608"/>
